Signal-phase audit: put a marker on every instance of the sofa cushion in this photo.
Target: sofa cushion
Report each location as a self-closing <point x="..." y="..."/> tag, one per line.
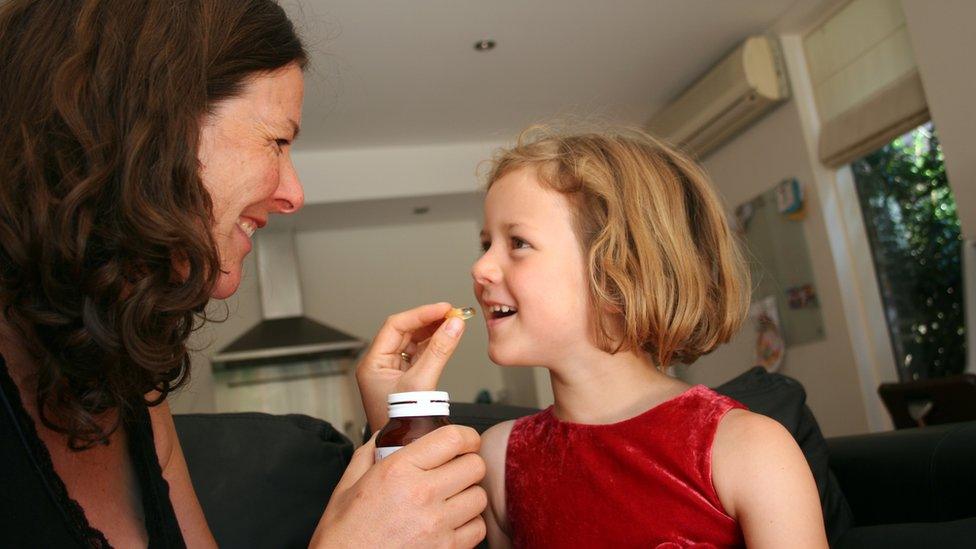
<point x="784" y="399"/>
<point x="956" y="534"/>
<point x="910" y="475"/>
<point x="284" y="469"/>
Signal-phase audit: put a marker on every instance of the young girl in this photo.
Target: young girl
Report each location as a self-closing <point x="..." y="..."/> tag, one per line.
<point x="608" y="258"/>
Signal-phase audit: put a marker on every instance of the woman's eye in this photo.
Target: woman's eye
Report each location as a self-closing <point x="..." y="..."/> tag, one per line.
<point x="519" y="243"/>
<point x="281" y="143"/>
<point x="485" y="245"/>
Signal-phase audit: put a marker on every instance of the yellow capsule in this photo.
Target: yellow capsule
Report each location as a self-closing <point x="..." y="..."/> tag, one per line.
<point x="463" y="313"/>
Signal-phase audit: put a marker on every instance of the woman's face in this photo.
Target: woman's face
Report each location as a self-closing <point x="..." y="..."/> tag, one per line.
<point x="245" y="156"/>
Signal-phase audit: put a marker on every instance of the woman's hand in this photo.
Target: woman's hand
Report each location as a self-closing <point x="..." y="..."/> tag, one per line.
<point x="424" y="336"/>
<point x="424" y="495"/>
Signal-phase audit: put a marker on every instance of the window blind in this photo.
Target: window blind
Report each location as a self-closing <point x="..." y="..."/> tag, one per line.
<point x="865" y="81"/>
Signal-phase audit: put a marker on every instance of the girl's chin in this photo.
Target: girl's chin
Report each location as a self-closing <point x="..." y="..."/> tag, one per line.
<point x="503" y="359"/>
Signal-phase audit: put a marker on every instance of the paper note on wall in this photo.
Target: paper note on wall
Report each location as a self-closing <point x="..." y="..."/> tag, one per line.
<point x="776" y="249"/>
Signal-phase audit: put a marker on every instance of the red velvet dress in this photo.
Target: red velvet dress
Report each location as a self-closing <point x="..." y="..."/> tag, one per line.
<point x="643" y="482"/>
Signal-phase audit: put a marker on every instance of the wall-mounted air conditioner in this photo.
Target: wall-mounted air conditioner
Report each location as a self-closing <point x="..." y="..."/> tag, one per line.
<point x="743" y="86"/>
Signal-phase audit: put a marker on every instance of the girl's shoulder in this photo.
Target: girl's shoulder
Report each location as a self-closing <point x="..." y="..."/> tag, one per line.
<point x="495" y="440"/>
<point x="747" y="450"/>
<point x="741" y="432"/>
<point x="494" y="446"/>
<point x="763" y="481"/>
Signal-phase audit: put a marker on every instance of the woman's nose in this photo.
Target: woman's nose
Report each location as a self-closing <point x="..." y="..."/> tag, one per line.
<point x="289" y="197"/>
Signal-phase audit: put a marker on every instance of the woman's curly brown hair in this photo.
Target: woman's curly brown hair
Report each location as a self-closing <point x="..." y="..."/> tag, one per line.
<point x="106" y="254"/>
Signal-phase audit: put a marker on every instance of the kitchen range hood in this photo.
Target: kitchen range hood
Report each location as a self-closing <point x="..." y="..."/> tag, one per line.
<point x="284" y="335"/>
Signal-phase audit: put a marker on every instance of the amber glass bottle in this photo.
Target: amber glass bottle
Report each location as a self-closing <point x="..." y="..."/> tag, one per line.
<point x="412" y="415"/>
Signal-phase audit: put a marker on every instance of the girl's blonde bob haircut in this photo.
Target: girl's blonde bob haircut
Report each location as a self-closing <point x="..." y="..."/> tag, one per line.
<point x="665" y="272"/>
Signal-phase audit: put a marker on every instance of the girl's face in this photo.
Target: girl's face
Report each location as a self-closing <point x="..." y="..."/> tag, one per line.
<point x="533" y="267"/>
<point x="245" y="156"/>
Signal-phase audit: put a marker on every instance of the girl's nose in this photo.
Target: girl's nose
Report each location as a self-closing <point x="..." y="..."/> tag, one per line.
<point x="485" y="270"/>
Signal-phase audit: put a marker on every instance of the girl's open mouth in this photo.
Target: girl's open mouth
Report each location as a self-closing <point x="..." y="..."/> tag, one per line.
<point x="501" y="311"/>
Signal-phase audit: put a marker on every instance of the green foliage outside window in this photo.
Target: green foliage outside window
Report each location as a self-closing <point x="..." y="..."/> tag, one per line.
<point x="910" y="216"/>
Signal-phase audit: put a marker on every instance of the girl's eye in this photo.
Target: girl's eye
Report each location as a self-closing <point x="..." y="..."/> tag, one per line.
<point x="519" y="243"/>
<point x="485" y="245"/>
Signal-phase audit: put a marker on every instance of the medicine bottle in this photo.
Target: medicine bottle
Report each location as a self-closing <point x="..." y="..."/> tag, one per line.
<point x="412" y="415"/>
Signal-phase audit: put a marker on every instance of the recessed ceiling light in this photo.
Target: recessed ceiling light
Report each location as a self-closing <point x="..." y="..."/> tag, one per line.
<point x="484" y="45"/>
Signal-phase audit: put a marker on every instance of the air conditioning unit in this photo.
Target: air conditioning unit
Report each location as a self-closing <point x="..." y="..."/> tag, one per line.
<point x="743" y="86"/>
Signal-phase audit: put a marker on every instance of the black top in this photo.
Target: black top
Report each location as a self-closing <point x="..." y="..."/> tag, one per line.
<point x="35" y="508"/>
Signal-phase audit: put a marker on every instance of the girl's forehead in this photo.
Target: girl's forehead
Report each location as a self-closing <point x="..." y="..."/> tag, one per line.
<point x="521" y="203"/>
<point x="522" y="189"/>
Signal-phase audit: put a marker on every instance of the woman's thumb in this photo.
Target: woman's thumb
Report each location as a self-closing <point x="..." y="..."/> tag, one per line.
<point x="362" y="459"/>
<point x="425" y="373"/>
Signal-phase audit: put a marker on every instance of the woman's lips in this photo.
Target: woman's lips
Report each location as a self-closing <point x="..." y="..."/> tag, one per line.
<point x="247" y="226"/>
<point x="245" y="238"/>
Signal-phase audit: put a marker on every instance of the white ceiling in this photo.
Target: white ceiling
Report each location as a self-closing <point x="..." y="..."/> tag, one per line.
<point x="388" y="72"/>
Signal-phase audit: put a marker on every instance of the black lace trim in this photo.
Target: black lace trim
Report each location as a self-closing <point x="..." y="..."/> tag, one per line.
<point x="88" y="535"/>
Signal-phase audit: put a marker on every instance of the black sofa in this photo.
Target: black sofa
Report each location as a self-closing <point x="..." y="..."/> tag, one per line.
<point x="263" y="480"/>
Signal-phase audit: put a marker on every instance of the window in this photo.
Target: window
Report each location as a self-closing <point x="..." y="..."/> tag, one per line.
<point x="910" y="216"/>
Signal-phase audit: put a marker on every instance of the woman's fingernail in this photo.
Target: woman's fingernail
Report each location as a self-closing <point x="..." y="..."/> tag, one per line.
<point x="453" y="326"/>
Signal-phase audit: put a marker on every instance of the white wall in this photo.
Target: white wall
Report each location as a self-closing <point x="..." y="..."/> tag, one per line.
<point x="364" y="256"/>
<point x="944" y="42"/>
<point x="239" y="313"/>
<point x="354" y="278"/>
<point x="751" y="164"/>
<point x="390" y="172"/>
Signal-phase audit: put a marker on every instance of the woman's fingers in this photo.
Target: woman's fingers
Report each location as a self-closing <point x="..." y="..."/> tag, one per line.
<point x="401" y="499"/>
<point x="384" y="369"/>
<point x="408" y="355"/>
<point x="404" y="325"/>
<point x="427" y="368"/>
<point x="471" y="533"/>
<point x="458" y="475"/>
<point x="435" y="449"/>
<point x="464" y="507"/>
<point x="362" y="459"/>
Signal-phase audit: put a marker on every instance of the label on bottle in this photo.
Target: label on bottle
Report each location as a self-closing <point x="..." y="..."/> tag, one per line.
<point x="386" y="451"/>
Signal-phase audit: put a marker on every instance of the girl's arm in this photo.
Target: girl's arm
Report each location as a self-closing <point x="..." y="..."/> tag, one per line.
<point x="494" y="444"/>
<point x="764" y="481"/>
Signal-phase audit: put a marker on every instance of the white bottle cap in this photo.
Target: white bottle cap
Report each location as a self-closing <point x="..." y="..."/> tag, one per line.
<point x="419" y="403"/>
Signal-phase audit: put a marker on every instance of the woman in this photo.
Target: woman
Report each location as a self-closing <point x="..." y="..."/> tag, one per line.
<point x="143" y="143"/>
